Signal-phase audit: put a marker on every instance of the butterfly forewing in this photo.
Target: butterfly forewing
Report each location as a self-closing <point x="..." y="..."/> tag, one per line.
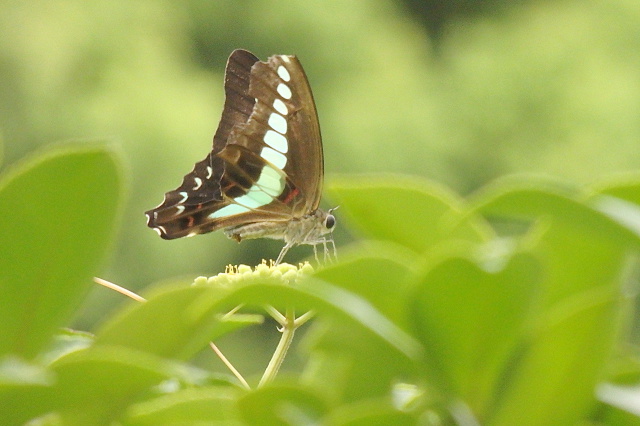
<point x="286" y="120"/>
<point x="266" y="163"/>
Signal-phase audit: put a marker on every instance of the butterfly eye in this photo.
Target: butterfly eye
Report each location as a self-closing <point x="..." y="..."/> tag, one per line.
<point x="330" y="221"/>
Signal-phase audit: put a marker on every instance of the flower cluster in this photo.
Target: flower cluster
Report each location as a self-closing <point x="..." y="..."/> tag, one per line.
<point x="235" y="274"/>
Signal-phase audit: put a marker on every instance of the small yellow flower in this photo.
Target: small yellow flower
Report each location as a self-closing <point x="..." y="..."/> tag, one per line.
<point x="237" y="274"/>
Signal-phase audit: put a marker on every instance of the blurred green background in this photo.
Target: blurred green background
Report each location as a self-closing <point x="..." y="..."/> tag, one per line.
<point x="457" y="91"/>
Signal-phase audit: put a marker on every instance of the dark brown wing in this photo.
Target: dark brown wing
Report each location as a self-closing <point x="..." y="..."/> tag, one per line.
<point x="266" y="163"/>
<point x="305" y="162"/>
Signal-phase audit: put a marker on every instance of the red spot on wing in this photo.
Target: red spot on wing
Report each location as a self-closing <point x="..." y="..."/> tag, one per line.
<point x="291" y="195"/>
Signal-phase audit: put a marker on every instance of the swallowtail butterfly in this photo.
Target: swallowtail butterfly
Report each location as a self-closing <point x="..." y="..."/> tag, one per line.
<point x="263" y="178"/>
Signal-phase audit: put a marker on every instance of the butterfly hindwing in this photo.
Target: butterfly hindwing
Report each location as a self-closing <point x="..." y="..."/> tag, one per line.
<point x="266" y="163"/>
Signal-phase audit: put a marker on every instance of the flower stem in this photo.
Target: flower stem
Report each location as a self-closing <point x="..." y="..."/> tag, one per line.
<point x="230" y="366"/>
<point x="288" y="329"/>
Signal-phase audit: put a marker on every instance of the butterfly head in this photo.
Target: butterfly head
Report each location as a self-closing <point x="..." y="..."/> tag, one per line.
<point x="330" y="219"/>
<point x="311" y="229"/>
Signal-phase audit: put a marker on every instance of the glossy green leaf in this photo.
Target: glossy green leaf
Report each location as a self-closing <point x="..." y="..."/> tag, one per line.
<point x="378" y="274"/>
<point x="470" y="317"/>
<point x="26" y="391"/>
<point x="555" y="376"/>
<point x="627" y="188"/>
<point x="619" y="405"/>
<point x="188" y="406"/>
<point x="326" y="299"/>
<point x="58" y="214"/>
<point x="584" y="252"/>
<point x="620" y="201"/>
<point x="163" y="325"/>
<point x="281" y="405"/>
<point x="65" y="342"/>
<point x="582" y="248"/>
<point x="408" y="211"/>
<point x="369" y="412"/>
<point x="95" y="386"/>
<point x="342" y="359"/>
<point x="373" y="334"/>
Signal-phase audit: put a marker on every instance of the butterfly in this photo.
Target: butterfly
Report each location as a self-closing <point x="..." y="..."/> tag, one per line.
<point x="264" y="175"/>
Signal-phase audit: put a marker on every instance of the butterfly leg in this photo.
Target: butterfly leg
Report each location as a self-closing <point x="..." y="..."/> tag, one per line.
<point x="284" y="251"/>
<point x="335" y="250"/>
<point x="327" y="257"/>
<point x="315" y="253"/>
<point x="328" y="244"/>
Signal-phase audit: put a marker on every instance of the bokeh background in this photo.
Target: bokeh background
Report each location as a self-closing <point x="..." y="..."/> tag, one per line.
<point x="458" y="91"/>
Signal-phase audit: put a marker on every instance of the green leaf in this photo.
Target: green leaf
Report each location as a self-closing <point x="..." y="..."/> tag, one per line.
<point x="411" y="212"/>
<point x="65" y="342"/>
<point x="357" y="323"/>
<point x="627" y="188"/>
<point x="381" y="276"/>
<point x="188" y="406"/>
<point x="25" y="391"/>
<point x="167" y="325"/>
<point x="314" y="294"/>
<point x="58" y="214"/>
<point x="96" y="385"/>
<point x="620" y="201"/>
<point x="619" y="405"/>
<point x="582" y="248"/>
<point x="282" y="405"/>
<point x="584" y="253"/>
<point x="555" y="376"/>
<point x="470" y="317"/>
<point x="342" y="358"/>
<point x="369" y="412"/>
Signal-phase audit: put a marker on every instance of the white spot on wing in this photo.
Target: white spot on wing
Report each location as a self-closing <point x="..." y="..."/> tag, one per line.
<point x="160" y="230"/>
<point x="209" y="172"/>
<point x="270" y="181"/>
<point x="229" y="210"/>
<point x="276" y="141"/>
<point x="184" y="196"/>
<point x="279" y="106"/>
<point x="285" y="58"/>
<point x="274" y="157"/>
<point x="278" y="123"/>
<point x="249" y="201"/>
<point x="260" y="196"/>
<point x="283" y="73"/>
<point x="180" y="210"/>
<point x="198" y="182"/>
<point x="284" y="91"/>
<point x="192" y="234"/>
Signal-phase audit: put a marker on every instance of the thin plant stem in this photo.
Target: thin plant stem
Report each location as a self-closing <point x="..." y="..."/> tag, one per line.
<point x="288" y="330"/>
<point x="231" y="312"/>
<point x="302" y="319"/>
<point x="276" y="315"/>
<point x="119" y="289"/>
<point x="215" y="349"/>
<point x="229" y="366"/>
